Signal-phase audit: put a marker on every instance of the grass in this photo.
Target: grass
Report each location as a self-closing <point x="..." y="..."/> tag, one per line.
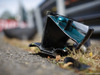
<point x="91" y="58"/>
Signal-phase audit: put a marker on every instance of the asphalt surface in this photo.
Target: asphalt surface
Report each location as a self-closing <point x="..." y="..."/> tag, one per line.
<point x="15" y="61"/>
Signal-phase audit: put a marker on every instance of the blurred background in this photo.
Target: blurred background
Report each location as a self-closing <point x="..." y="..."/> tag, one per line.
<point x="23" y="19"/>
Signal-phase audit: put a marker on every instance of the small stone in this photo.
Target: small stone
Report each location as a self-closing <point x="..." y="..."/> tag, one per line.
<point x="26" y="63"/>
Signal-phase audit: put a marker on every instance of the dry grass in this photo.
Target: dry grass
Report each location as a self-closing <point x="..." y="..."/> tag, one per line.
<point x="91" y="58"/>
<point x="24" y="44"/>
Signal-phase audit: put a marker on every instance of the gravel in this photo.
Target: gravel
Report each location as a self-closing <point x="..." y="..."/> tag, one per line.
<point x="15" y="61"/>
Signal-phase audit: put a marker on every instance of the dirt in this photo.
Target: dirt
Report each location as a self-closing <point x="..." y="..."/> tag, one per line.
<point x="16" y="61"/>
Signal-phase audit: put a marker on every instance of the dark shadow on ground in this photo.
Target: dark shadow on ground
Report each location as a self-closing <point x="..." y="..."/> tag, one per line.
<point x="42" y="55"/>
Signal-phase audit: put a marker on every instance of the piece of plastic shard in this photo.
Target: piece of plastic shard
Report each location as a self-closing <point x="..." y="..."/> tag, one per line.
<point x="76" y="64"/>
<point x="58" y="30"/>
